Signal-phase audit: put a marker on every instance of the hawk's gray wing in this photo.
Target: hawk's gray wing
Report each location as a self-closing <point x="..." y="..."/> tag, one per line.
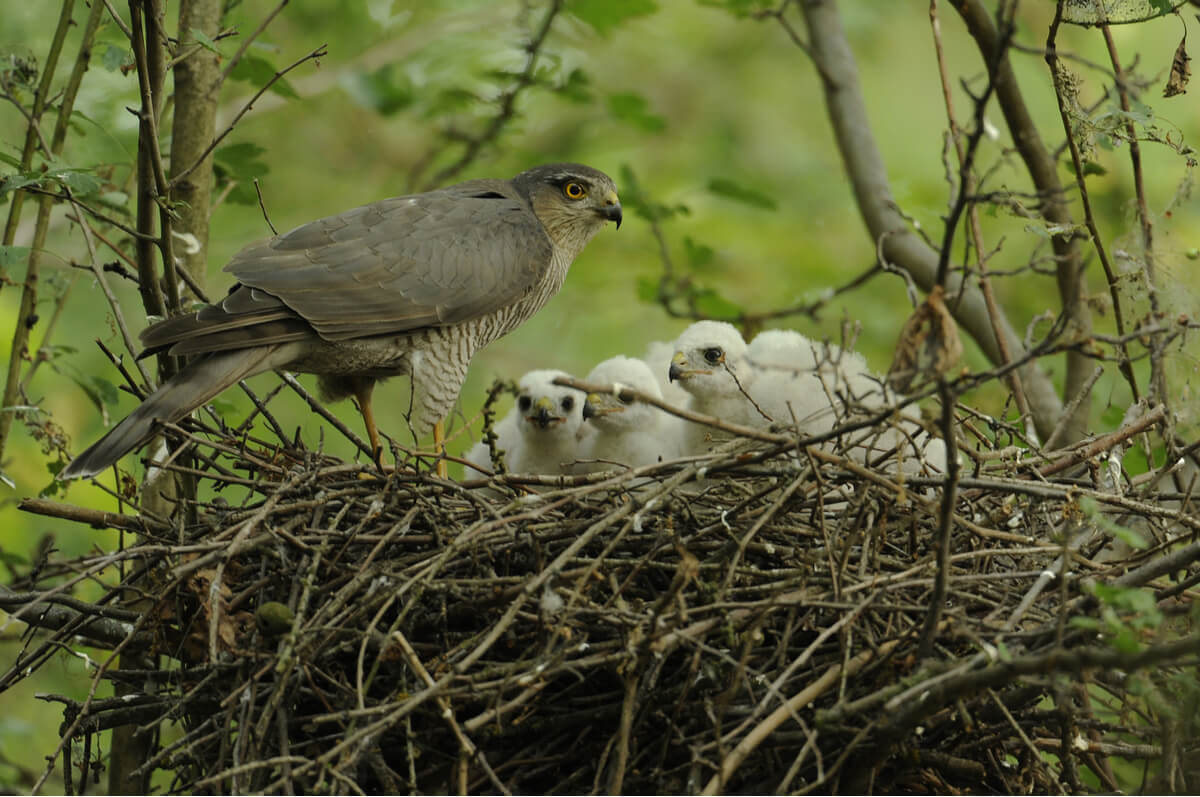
<point x="403" y="263"/>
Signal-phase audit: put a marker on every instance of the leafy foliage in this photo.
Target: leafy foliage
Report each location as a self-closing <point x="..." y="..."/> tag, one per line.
<point x="606" y="15"/>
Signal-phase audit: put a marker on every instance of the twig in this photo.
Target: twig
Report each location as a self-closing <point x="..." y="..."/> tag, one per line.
<point x="949" y="496"/>
<point x="752" y="740"/>
<point x="508" y="100"/>
<point x="1057" y="72"/>
<point x="864" y="166"/>
<point x="249" y="40"/>
<point x="1105" y="442"/>
<point x="320" y="52"/>
<point x="968" y="188"/>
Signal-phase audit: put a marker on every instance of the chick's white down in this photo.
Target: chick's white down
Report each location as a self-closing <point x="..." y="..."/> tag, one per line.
<point x="784" y="378"/>
<point x="626" y="433"/>
<point x="710" y="364"/>
<point x="542" y="433"/>
<point x="658" y="358"/>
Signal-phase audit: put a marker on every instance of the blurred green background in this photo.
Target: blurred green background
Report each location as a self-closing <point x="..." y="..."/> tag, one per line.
<point x="682" y="94"/>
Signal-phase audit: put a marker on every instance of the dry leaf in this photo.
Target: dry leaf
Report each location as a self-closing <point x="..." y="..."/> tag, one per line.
<point x="1180" y="71"/>
<point x="928" y="347"/>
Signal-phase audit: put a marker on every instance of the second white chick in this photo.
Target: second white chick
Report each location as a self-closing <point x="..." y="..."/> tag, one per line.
<point x="626" y="433"/>
<point x="543" y="432"/>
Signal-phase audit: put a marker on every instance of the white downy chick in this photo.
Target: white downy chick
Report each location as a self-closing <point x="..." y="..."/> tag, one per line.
<point x="658" y="356"/>
<point x="626" y="433"/>
<point x="844" y="389"/>
<point x="543" y="432"/>
<point x="710" y="364"/>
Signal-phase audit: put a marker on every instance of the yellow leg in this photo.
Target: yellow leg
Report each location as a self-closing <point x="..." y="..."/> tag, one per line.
<point x="439" y="448"/>
<point x="363" y="394"/>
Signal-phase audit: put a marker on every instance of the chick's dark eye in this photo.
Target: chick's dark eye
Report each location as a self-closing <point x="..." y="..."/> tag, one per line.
<point x="713" y="355"/>
<point x="574" y="190"/>
<point x="568" y="403"/>
<point x="524" y="402"/>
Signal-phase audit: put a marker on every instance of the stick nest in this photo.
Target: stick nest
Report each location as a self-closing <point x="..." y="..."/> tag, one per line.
<point x="766" y="619"/>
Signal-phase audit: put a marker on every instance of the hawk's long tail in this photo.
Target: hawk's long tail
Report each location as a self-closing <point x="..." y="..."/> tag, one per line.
<point x="200" y="381"/>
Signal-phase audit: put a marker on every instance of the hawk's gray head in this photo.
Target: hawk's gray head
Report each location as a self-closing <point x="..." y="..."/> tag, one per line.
<point x="572" y="201"/>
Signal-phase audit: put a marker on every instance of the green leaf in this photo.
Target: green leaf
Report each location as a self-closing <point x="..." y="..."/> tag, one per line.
<point x="117" y="200"/>
<point x="102" y="393"/>
<point x="258" y="71"/>
<point x="1112" y="416"/>
<point x="740" y="193"/>
<point x="13" y="255"/>
<point x="605" y="15"/>
<point x="81" y="183"/>
<point x="204" y="40"/>
<point x="633" y="108"/>
<point x="240" y="164"/>
<point x="740" y="8"/>
<point x="242" y="160"/>
<point x="711" y="304"/>
<point x="1086" y="623"/>
<point x="384" y="91"/>
<point x="634" y="198"/>
<point x="1126" y="535"/>
<point x="13" y="182"/>
<point x="1125" y="640"/>
<point x="380" y="12"/>
<point x="576" y="88"/>
<point x="700" y="256"/>
<point x="114" y="58"/>
<point x="448" y="101"/>
<point x="647" y="290"/>
<point x="1139" y="606"/>
<point x="1090" y="168"/>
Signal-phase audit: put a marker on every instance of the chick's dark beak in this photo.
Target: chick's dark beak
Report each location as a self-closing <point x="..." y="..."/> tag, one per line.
<point x="674" y="372"/>
<point x="589" y="409"/>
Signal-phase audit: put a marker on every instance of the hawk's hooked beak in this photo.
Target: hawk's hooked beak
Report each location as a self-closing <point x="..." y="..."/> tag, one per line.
<point x="600" y="404"/>
<point x="679" y="369"/>
<point x="542" y="413"/>
<point x="612" y="208"/>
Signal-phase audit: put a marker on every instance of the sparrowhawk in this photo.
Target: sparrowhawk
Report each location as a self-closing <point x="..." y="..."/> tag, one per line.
<point x="409" y="285"/>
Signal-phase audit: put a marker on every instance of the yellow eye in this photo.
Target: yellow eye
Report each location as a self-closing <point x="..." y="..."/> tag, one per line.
<point x="574" y="190"/>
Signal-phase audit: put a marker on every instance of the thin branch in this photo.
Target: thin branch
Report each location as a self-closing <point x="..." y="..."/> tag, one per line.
<point x="1042" y="167"/>
<point x="249" y="40"/>
<point x="507" y="101"/>
<point x="1058" y="74"/>
<point x="864" y="166"/>
<point x="320" y="52"/>
<point x="968" y="188"/>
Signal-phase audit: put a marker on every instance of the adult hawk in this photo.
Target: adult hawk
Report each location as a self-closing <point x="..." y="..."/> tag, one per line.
<point x="410" y="285"/>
